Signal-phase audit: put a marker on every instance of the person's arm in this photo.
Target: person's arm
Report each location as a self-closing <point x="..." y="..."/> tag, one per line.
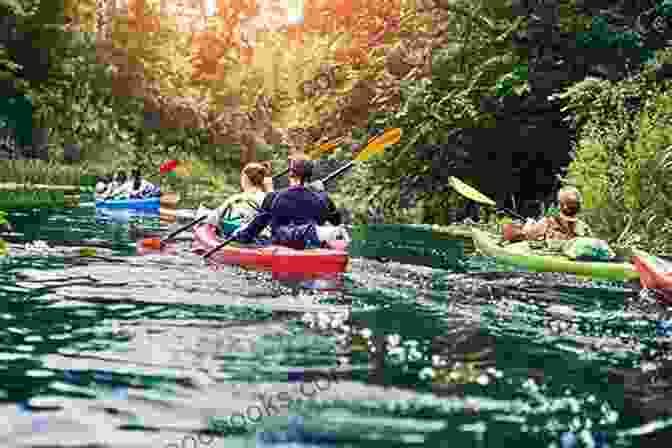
<point x="535" y="230"/>
<point x="331" y="214"/>
<point x="268" y="177"/>
<point x="249" y="232"/>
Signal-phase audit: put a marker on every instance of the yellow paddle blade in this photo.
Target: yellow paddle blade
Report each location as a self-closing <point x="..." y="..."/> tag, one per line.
<point x="87" y="252"/>
<point x="378" y="144"/>
<point x="184" y="169"/>
<point x="325" y="148"/>
<point x="469" y="192"/>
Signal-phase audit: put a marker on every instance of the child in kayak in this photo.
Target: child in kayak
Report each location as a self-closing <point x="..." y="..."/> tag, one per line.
<point x="255" y="183"/>
<point x="565" y="233"/>
<point x="141" y="188"/>
<point x="297" y="215"/>
<point x="565" y="226"/>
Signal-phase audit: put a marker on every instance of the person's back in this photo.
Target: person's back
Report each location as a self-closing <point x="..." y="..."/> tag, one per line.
<point x="296" y="214"/>
<point x="255" y="182"/>
<point x="294" y="211"/>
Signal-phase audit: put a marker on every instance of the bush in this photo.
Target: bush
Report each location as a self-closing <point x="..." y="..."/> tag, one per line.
<point x="623" y="160"/>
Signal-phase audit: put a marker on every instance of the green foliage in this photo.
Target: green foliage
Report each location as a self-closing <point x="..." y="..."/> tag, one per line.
<point x="480" y="60"/>
<point x="30" y="199"/>
<point x="43" y="173"/>
<point x="623" y="161"/>
<point x="514" y="82"/>
<point x="600" y="37"/>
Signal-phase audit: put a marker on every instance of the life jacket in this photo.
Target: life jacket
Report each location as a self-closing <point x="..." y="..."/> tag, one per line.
<point x="242" y="205"/>
<point x="557" y="230"/>
<point x="295" y="212"/>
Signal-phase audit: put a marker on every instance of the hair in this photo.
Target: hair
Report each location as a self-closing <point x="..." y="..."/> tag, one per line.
<point x="256" y="172"/>
<point x="135" y="174"/>
<point x="308" y="166"/>
<point x="570" y="190"/>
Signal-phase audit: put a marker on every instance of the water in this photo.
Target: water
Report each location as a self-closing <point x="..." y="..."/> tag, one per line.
<point x="115" y="350"/>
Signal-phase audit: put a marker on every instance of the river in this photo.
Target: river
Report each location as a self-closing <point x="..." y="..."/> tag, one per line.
<point x="119" y="350"/>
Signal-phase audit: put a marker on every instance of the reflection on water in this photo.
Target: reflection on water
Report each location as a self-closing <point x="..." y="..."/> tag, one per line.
<point x="117" y="350"/>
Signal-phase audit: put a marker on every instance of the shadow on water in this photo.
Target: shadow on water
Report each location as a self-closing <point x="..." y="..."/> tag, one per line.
<point x="115" y="350"/>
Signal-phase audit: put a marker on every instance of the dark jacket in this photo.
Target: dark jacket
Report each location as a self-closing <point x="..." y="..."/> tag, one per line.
<point x="293" y="214"/>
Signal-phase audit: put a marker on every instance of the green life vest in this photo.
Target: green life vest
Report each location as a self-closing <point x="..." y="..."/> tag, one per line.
<point x="246" y="200"/>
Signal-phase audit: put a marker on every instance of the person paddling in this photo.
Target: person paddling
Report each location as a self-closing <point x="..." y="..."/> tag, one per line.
<point x="102" y="185"/>
<point x="140" y="188"/>
<point x="565" y="226"/>
<point x="255" y="183"/>
<point x="121" y="188"/>
<point x="297" y="215"/>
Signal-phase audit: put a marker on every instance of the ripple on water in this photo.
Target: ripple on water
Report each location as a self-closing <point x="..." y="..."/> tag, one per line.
<point x="161" y="345"/>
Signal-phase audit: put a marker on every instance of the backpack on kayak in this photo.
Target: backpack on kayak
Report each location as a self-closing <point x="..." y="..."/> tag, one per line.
<point x="588" y="249"/>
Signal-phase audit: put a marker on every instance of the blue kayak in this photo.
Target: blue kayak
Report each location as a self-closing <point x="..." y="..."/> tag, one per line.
<point x="130" y="203"/>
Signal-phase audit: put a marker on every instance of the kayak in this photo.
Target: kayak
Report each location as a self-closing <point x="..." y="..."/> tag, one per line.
<point x="284" y="262"/>
<point x="521" y="255"/>
<point x="654" y="272"/>
<point x="148" y="203"/>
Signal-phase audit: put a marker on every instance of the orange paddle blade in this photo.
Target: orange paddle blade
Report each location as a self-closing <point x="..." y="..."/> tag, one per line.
<point x="152" y="243"/>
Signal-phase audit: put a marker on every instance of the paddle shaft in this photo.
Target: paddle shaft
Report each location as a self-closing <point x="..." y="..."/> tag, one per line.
<point x="338" y="172"/>
<point x="210" y="252"/>
<point x="183" y="228"/>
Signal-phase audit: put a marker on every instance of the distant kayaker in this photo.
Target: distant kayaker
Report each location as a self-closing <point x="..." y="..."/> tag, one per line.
<point x="120" y="187"/>
<point x="297" y="215"/>
<point x="102" y="184"/>
<point x="141" y="188"/>
<point x="255" y="183"/>
<point x="564" y="226"/>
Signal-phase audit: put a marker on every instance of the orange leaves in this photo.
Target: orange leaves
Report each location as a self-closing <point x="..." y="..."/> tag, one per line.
<point x="344" y="8"/>
<point x="207" y="49"/>
<point x="354" y="55"/>
<point x="138" y="18"/>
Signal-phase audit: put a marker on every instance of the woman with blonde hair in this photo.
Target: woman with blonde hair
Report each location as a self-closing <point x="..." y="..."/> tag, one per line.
<point x="255" y="183"/>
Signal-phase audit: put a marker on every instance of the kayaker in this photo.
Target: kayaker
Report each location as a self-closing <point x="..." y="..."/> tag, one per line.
<point x="297" y="215"/>
<point x="255" y="183"/>
<point x="141" y="188"/>
<point x="120" y="187"/>
<point x="102" y="184"/>
<point x="564" y="226"/>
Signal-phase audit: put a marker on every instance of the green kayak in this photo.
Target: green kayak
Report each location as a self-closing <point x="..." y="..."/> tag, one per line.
<point x="521" y="255"/>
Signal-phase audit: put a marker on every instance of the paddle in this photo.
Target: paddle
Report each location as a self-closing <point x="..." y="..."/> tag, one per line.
<point x="470" y="192"/>
<point x="212" y="251"/>
<point x="158" y="244"/>
<point x="323" y="148"/>
<point x="375" y="146"/>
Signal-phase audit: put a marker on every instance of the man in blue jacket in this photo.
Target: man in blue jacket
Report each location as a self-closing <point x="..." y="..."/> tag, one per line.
<point x="297" y="214"/>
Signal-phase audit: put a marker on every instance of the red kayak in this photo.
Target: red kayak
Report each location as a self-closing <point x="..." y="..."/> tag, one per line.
<point x="284" y="262"/>
<point x="654" y="273"/>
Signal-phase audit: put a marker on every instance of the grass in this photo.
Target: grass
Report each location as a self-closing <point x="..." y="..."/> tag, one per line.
<point x="46" y="173"/>
<point x="29" y="199"/>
